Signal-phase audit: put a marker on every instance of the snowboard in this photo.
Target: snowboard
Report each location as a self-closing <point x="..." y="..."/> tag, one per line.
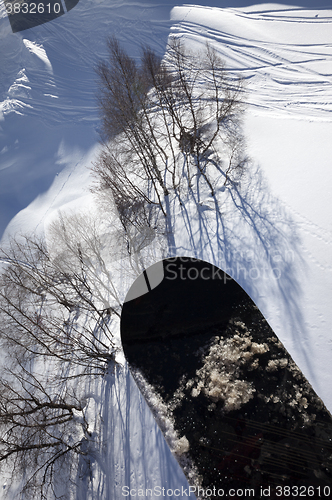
<point x="241" y="413"/>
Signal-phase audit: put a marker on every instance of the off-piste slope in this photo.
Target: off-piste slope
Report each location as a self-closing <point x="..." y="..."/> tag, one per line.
<point x="274" y="233"/>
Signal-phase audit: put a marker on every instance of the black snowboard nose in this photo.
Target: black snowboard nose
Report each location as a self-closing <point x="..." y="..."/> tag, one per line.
<point x="28" y="14"/>
<point x="240" y="415"/>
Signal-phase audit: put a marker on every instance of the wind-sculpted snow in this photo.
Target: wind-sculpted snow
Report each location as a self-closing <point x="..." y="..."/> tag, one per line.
<point x="48" y="90"/>
<point x="73" y="44"/>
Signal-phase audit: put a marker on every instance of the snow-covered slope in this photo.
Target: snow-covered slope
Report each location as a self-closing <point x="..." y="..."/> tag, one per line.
<point x="276" y="234"/>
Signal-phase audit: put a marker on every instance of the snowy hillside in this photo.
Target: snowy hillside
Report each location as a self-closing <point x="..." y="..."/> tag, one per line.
<point x="276" y="237"/>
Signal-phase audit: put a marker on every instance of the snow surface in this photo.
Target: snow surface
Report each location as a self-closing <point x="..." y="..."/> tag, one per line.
<point x="276" y="234"/>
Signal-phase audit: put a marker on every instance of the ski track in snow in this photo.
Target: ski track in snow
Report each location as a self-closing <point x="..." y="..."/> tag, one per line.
<point x="283" y="74"/>
<point x="285" y="56"/>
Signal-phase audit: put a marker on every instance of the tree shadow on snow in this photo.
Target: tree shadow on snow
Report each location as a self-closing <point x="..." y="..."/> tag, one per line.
<point x="131" y="450"/>
<point x="247" y="232"/>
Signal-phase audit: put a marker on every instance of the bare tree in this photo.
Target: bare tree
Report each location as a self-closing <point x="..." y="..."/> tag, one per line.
<point x="205" y="104"/>
<point x="155" y="113"/>
<point x="57" y="310"/>
<point x="42" y="425"/>
<point x="50" y="306"/>
<point x="125" y="106"/>
<point x="60" y="304"/>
